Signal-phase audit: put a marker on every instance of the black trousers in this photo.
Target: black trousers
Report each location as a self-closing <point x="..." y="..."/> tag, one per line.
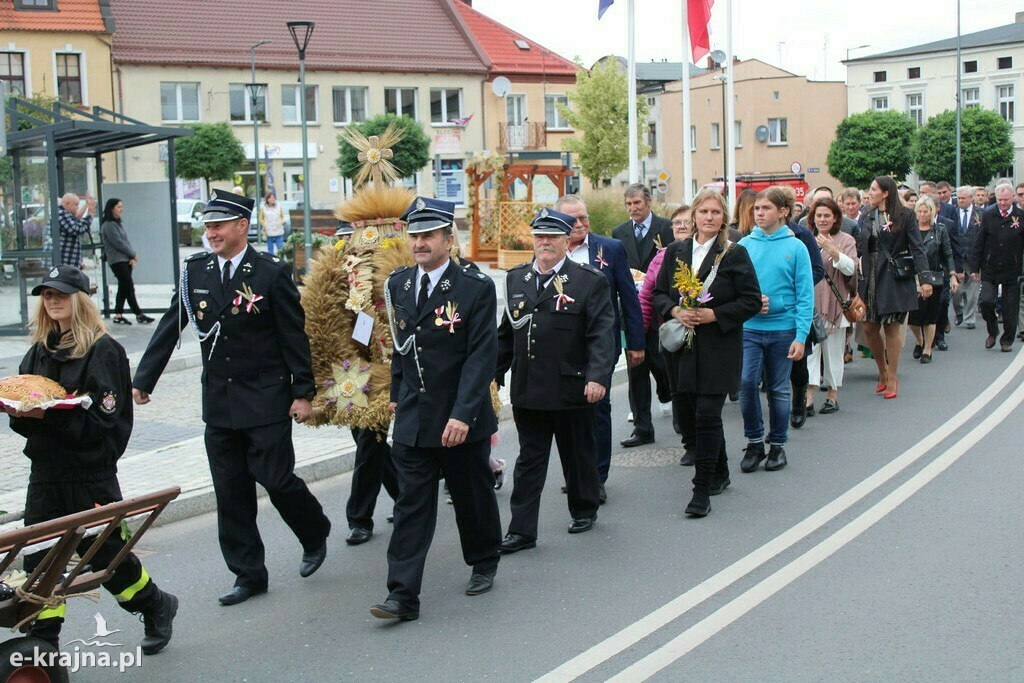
<point x="640" y="385"/>
<point x="240" y="459"/>
<point x="467" y="471"/>
<point x="943" y="320"/>
<point x="125" y="288"/>
<point x="1011" y="304"/>
<point x="373" y="467"/>
<point x="130" y="584"/>
<point x="603" y="422"/>
<point x="573" y="432"/>
<point x="702" y="416"/>
<point x="681" y="426"/>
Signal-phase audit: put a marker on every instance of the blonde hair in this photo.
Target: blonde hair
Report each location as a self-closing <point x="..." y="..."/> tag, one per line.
<point x="86" y="326"/>
<point x="708" y="194"/>
<point x="929" y="204"/>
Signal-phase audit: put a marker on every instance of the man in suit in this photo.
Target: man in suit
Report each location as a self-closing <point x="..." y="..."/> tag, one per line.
<point x="257" y="377"/>
<point x="980" y="197"/>
<point x="968" y="224"/>
<point x="442" y="320"/>
<point x="945" y="209"/>
<point x="996" y="262"/>
<point x="608" y="256"/>
<point x="642" y="235"/>
<point x="556" y="337"/>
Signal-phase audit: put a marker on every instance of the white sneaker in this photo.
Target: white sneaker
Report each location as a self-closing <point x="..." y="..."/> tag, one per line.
<point x="629" y="418"/>
<point x="666" y="408"/>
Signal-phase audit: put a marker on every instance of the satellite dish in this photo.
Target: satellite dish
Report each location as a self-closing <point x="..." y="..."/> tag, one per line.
<point x="761" y="133"/>
<point x="718" y="57"/>
<point x="500" y="86"/>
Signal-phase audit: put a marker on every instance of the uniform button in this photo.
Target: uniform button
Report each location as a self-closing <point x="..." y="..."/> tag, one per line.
<point x="419" y="348"/>
<point x="229" y="380"/>
<point x="222" y="317"/>
<point x="228" y="360"/>
<point x="535" y="326"/>
<point x="532" y="357"/>
<point x="418" y="328"/>
<point x="225" y="337"/>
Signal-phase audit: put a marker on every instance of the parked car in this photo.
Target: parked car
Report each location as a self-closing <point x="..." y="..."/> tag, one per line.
<point x="288" y="207"/>
<point x="189" y="211"/>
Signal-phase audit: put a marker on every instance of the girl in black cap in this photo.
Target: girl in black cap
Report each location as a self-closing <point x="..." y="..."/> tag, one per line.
<point x="74" y="452"/>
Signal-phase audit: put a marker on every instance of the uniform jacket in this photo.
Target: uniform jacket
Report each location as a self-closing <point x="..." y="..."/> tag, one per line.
<point x="554" y="356"/>
<point x="999" y="245"/>
<point x="715" y="363"/>
<point x="609" y="256"/>
<point x="891" y="295"/>
<point x="640" y="254"/>
<point x="79" y="445"/>
<point x="260" y="362"/>
<point x="457" y="367"/>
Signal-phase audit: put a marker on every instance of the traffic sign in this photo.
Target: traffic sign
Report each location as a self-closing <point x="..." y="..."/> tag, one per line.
<point x="795" y="168"/>
<point x="664" y="177"/>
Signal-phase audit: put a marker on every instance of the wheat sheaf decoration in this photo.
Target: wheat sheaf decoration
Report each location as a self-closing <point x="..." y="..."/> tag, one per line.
<point x="375" y="153"/>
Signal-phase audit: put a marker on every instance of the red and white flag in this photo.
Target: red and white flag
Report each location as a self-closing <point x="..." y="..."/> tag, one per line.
<point x="698" y="18"/>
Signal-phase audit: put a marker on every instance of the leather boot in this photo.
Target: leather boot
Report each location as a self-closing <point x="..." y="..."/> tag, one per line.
<point x="799" y="412"/>
<point x="159" y="620"/>
<point x="700" y="504"/>
<point x="720" y="481"/>
<point x="48" y="630"/>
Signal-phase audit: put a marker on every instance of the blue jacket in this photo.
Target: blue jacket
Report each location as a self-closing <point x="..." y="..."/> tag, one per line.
<point x="783" y="269"/>
<point x="615" y="266"/>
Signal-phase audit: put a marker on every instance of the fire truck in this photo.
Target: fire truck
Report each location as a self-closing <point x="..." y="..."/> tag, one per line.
<point x="761" y="181"/>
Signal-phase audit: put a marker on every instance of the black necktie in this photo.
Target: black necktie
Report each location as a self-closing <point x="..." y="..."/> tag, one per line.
<point x="226" y="280"/>
<point x="421" y="300"/>
<point x="963" y="219"/>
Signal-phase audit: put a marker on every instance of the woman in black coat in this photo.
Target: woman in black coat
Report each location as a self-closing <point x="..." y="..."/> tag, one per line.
<point x="888" y="236"/>
<point x="939" y="249"/>
<point x="709" y="371"/>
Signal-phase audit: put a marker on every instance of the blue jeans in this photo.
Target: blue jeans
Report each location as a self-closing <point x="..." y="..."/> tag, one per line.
<point x="274" y="244"/>
<point x="765" y="354"/>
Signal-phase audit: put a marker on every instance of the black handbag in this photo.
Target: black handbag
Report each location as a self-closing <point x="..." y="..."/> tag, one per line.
<point x="902" y="264"/>
<point x="818" y="332"/>
<point x="931" y="277"/>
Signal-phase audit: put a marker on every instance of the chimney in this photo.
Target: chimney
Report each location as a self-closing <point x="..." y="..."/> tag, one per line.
<point x="1018" y="18"/>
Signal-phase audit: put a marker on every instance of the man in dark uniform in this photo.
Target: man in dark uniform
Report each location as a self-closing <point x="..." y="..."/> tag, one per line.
<point x="642" y="235"/>
<point x="996" y="262"/>
<point x="556" y="336"/>
<point x="442" y="322"/>
<point x="257" y="376"/>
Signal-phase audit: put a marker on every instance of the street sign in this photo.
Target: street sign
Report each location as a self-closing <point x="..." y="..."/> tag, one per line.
<point x="795" y="168"/>
<point x="814" y="170"/>
<point x="662" y="187"/>
<point x="664" y="177"/>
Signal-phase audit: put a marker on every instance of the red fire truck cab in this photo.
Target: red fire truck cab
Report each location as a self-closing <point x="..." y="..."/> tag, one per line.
<point x="760" y="181"/>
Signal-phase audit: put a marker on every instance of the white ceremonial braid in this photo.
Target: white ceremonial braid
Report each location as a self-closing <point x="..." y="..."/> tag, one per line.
<point x="410" y="341"/>
<point x="187" y="303"/>
<point x="518" y="324"/>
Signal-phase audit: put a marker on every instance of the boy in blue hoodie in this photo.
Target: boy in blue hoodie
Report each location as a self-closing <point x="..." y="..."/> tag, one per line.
<point x="774" y="338"/>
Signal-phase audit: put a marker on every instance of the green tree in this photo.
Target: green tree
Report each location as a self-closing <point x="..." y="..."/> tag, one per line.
<point x="412" y="152"/>
<point x="871" y="144"/>
<point x="213" y="153"/>
<point x="600" y="109"/>
<point x="986" y="146"/>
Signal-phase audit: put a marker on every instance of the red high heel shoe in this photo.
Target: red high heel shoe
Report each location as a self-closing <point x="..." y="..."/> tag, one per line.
<point x="895" y="389"/>
<point x="880" y="387"/>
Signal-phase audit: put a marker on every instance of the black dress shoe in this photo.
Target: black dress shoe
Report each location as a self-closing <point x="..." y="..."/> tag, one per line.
<point x="1006" y="348"/>
<point x="830" y="406"/>
<point x="941" y="345"/>
<point x="959" y="320"/>
<point x="990" y="341"/>
<point x="513" y="543"/>
<point x="970" y="326"/>
<point x="776" y="459"/>
<point x="798" y="412"/>
<point x="358" y="535"/>
<point x="918" y="349"/>
<point x="582" y="524"/>
<point x="636" y="440"/>
<point x="480" y="583"/>
<point x="239" y="594"/>
<point x="700" y="505"/>
<point x="810" y="410"/>
<point x="158" y="622"/>
<point x="565" y="489"/>
<point x="717" y="487"/>
<point x="602" y="495"/>
<point x="392" y="609"/>
<point x="689" y="457"/>
<point x="391" y="519"/>
<point x="312" y="560"/>
<point x="753" y="454"/>
<point x="926" y="358"/>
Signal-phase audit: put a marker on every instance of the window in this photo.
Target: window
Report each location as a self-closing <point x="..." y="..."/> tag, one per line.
<point x="400" y="101"/>
<point x="290" y="104"/>
<point x="445" y="105"/>
<point x="35" y="4"/>
<point x="451" y="185"/>
<point x="179" y="101"/>
<point x="651" y="101"/>
<point x="515" y="109"/>
<point x="915" y="108"/>
<point x="914" y="72"/>
<point x="971" y="97"/>
<point x="778" y="133"/>
<point x="879" y="77"/>
<point x="553" y="119"/>
<point x="1005" y="99"/>
<point x="693" y="138"/>
<point x="1004" y="63"/>
<point x="349" y="104"/>
<point x="737" y="137"/>
<point x="12" y="72"/>
<point x="716" y="136"/>
<point x="880" y="103"/>
<point x="971" y="67"/>
<point x="241" y="103"/>
<point x="652" y="139"/>
<point x="69" y="78"/>
<point x="522" y="44"/>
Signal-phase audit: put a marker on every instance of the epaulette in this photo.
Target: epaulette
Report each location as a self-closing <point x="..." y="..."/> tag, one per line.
<point x="400" y="269"/>
<point x="270" y="257"/>
<point x="590" y="268"/>
<point x="520" y="265"/>
<point x="199" y="255"/>
<point x="472" y="274"/>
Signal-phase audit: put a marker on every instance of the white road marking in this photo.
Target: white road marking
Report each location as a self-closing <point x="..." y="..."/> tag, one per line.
<point x="708" y="627"/>
<point x="644" y="627"/>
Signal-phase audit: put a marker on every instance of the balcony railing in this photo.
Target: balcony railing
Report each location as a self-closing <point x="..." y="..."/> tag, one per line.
<point x="516" y="137"/>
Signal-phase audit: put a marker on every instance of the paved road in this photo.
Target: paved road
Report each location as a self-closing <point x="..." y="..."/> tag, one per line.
<point x="890" y="548"/>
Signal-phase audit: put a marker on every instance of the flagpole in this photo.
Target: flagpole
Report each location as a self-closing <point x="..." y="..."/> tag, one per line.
<point x="634" y="152"/>
<point x="730" y="106"/>
<point x="685" y="103"/>
<point x="959" y="93"/>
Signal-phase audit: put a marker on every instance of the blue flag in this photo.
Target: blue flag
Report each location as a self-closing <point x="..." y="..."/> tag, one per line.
<point x="602" y="7"/>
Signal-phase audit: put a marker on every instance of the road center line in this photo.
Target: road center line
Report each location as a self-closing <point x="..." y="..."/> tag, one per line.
<point x="644" y="627"/>
<point x="726" y="615"/>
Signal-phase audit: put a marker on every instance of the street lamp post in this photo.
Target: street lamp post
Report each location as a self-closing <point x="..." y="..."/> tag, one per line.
<point x="255" y="90"/>
<point x="301" y="31"/>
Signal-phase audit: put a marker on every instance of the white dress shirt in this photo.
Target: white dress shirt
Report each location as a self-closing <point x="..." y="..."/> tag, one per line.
<point x="546" y="277"/>
<point x="235" y="261"/>
<point x="645" y="222"/>
<point x="581" y="254"/>
<point x="434" y="277"/>
<point x="700" y="252"/>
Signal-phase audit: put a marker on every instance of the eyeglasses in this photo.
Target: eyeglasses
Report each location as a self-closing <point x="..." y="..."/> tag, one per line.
<point x="583" y="219"/>
<point x="676" y="223"/>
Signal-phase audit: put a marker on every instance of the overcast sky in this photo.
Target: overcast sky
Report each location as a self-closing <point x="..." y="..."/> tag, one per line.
<point x="571" y="28"/>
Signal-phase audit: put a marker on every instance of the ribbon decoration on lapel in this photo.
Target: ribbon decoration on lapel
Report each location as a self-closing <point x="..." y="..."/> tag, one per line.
<point x="601" y="263"/>
<point x="562" y="298"/>
<point x="246" y="294"/>
<point x="657" y="242"/>
<point x="452" y="310"/>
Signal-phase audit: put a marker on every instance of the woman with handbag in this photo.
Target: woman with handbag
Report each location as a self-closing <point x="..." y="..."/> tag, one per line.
<point x="891" y="254"/>
<point x="831" y="301"/>
<point x="707" y="372"/>
<point x="939" y="251"/>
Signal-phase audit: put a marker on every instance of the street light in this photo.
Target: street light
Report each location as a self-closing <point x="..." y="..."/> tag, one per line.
<point x="301" y="31"/>
<point x="850" y="49"/>
<point x="255" y="90"/>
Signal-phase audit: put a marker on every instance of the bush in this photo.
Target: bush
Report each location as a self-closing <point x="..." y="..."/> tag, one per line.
<point x="606" y="210"/>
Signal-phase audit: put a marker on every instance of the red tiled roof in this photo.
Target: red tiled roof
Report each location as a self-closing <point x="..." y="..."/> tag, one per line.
<point x="506" y="57"/>
<point x="71" y="15"/>
<point x="351" y="35"/>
